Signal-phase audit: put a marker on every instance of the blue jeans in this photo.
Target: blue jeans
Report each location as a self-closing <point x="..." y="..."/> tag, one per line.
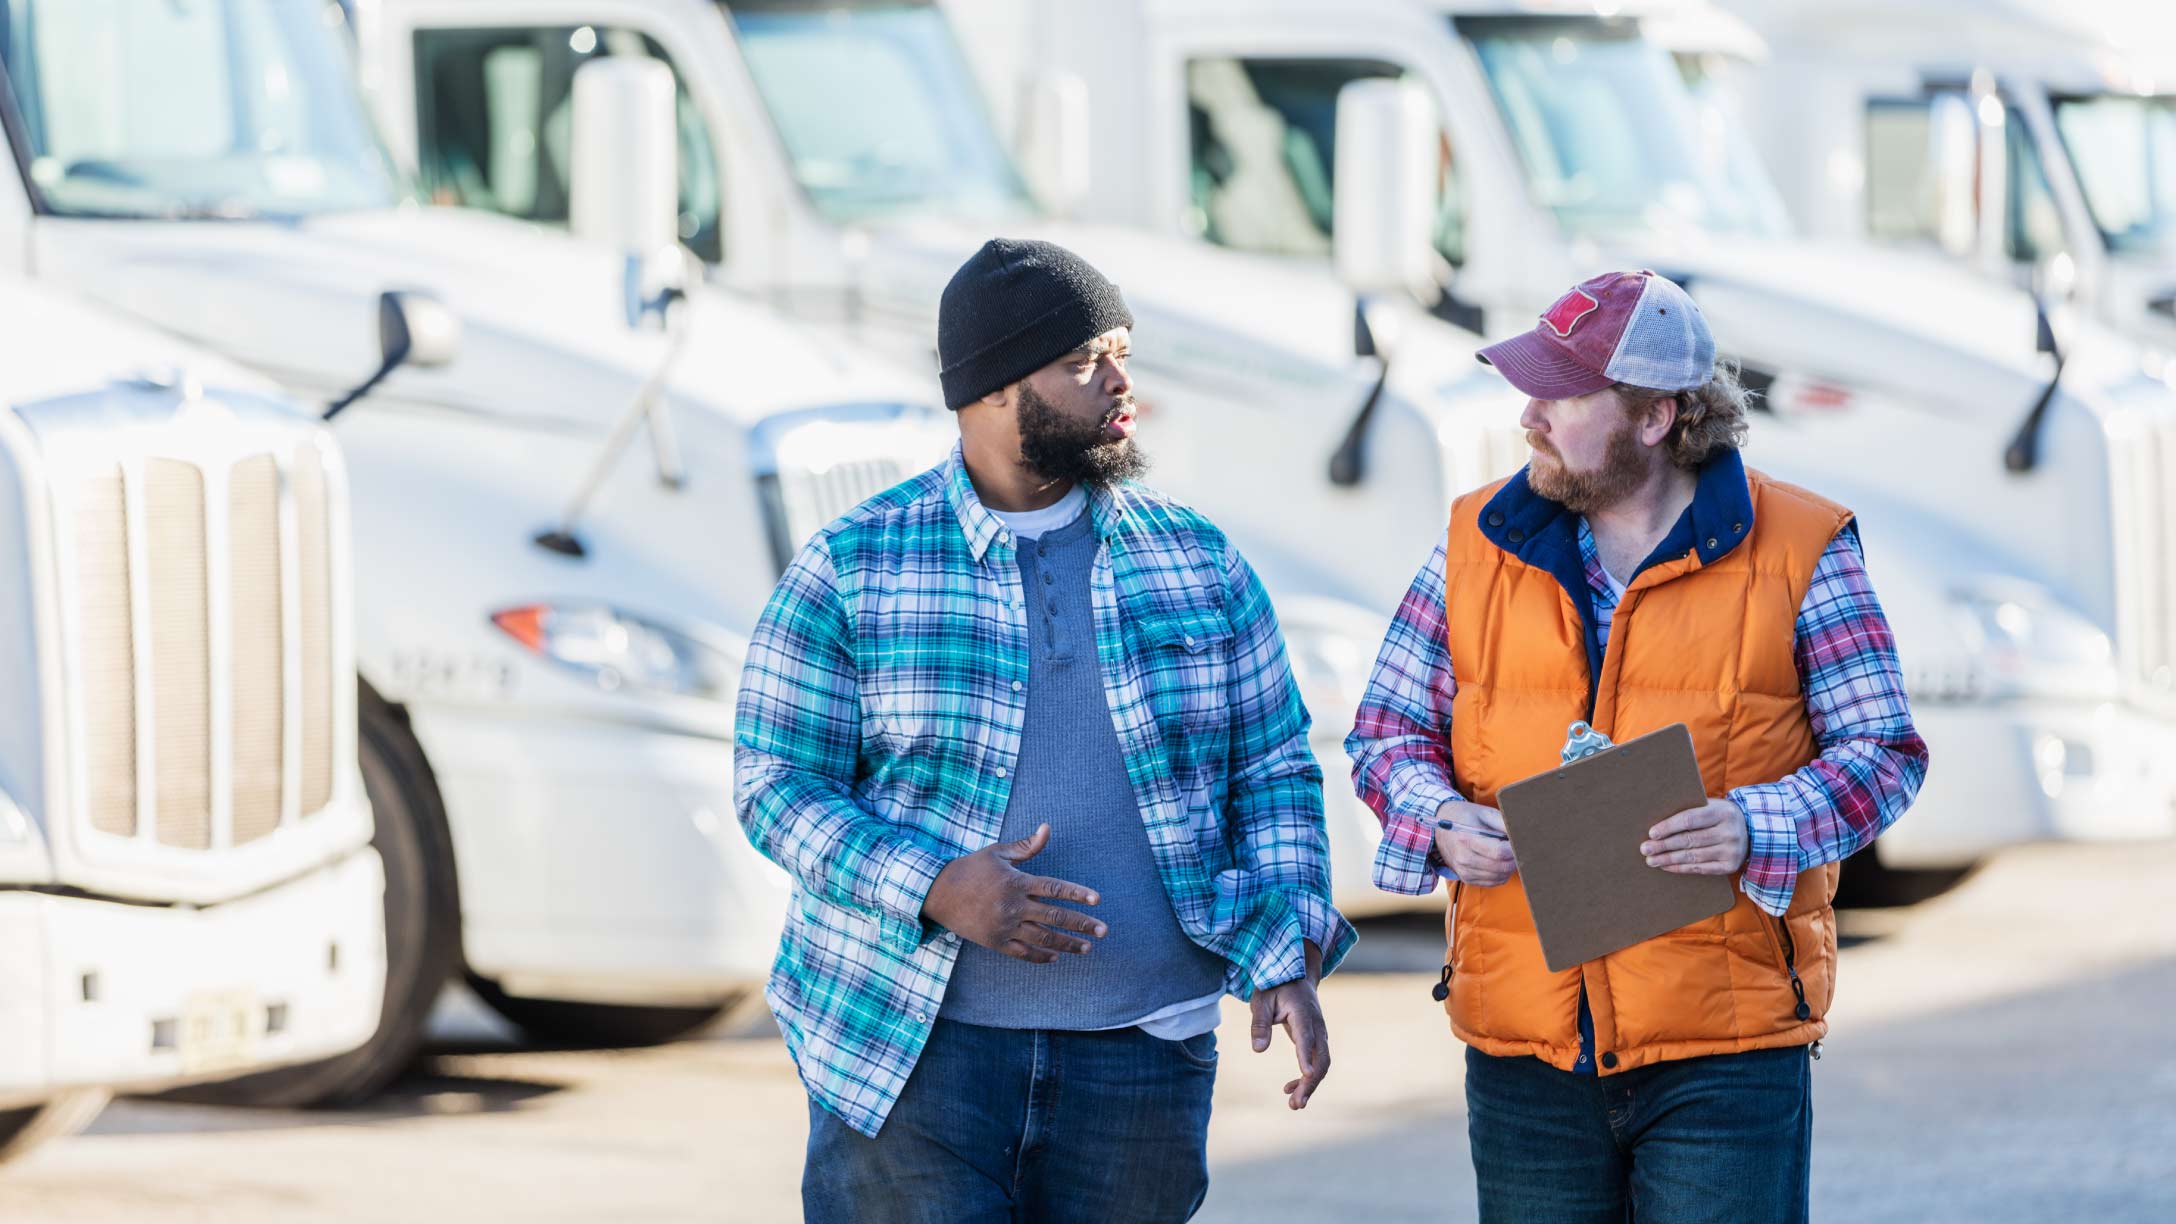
<point x="1727" y="1139"/>
<point x="1028" y="1125"/>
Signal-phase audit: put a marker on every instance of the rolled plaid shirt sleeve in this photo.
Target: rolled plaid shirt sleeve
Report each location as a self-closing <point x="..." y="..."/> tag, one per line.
<point x="1400" y="741"/>
<point x="796" y="742"/>
<point x="1872" y="759"/>
<point x="1273" y="805"/>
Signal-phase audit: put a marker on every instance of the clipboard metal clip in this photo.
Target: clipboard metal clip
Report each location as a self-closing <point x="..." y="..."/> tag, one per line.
<point x="1583" y="741"/>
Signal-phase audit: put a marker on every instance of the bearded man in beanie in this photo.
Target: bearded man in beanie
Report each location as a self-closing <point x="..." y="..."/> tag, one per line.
<point x="1024" y="735"/>
<point x="1633" y="575"/>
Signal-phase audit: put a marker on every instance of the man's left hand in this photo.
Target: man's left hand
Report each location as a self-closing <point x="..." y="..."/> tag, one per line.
<point x="1709" y="840"/>
<point x="1295" y="1006"/>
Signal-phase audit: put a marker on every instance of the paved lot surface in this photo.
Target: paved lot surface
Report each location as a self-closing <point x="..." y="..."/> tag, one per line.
<point x="2001" y="1054"/>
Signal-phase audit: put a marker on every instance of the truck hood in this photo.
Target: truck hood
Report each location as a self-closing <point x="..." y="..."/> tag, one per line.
<point x="1278" y="318"/>
<point x="75" y="346"/>
<point x="1827" y="306"/>
<point x="544" y="331"/>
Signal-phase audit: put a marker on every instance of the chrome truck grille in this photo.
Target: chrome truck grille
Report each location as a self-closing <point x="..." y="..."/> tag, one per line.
<point x="185" y="573"/>
<point x="817" y="464"/>
<point x="2144" y="488"/>
<point x="809" y="497"/>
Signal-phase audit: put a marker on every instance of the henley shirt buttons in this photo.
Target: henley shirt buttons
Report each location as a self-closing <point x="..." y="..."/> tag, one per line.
<point x="1017" y="686"/>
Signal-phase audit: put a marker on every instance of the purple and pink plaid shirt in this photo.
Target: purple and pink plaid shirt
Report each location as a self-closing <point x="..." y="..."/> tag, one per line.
<point x="1870" y="766"/>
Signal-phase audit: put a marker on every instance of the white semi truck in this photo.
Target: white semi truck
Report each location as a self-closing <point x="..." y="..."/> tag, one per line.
<point x="2033" y="142"/>
<point x="187" y="886"/>
<point x="2016" y="505"/>
<point x="838" y="160"/>
<point x="844" y="165"/>
<point x="575" y="475"/>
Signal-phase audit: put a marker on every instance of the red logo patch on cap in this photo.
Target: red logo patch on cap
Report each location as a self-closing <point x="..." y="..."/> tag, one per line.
<point x="1569" y="309"/>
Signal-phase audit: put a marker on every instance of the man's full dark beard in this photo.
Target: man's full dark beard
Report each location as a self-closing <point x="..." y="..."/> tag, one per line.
<point x="1062" y="448"/>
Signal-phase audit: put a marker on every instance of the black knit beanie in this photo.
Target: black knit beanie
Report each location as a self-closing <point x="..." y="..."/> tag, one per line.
<point x="1012" y="309"/>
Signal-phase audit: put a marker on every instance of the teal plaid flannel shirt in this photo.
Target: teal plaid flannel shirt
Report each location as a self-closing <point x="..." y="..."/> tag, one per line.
<point x="879" y="715"/>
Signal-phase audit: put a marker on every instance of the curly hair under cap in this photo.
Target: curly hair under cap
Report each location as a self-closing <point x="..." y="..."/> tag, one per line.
<point x="1710" y="417"/>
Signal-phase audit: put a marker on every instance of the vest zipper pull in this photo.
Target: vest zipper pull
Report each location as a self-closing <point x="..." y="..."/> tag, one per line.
<point x="1442" y="988"/>
<point x="1790" y="966"/>
<point x="1817" y="1051"/>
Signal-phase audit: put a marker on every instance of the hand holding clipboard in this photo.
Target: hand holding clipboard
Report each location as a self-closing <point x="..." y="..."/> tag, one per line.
<point x="1577" y="834"/>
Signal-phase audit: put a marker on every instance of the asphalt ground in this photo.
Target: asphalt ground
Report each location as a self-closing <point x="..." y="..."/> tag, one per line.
<point x="2000" y="1053"/>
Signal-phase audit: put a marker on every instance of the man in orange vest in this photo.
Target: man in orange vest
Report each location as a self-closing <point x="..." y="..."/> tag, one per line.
<point x="1637" y="574"/>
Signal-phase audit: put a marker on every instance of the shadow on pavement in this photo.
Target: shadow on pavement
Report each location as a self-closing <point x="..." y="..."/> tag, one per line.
<point x="422" y="1092"/>
<point x="2056" y="1104"/>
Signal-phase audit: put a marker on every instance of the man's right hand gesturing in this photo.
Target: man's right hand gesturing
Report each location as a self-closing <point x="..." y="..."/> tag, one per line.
<point x="984" y="897"/>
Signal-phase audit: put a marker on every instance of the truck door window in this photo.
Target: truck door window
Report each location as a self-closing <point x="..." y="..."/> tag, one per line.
<point x="1263" y="142"/>
<point x="2035" y="222"/>
<point x="2124" y="149"/>
<point x="1904" y="186"/>
<point x="495" y="121"/>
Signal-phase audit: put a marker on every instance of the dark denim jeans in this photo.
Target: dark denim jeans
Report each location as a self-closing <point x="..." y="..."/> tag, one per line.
<point x="1727" y="1139"/>
<point x="1025" y="1125"/>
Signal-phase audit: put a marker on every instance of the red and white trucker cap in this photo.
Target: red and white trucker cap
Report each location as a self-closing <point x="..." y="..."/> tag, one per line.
<point x="1620" y="327"/>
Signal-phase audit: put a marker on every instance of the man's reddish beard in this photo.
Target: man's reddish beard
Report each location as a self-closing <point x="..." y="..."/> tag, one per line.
<point x="1624" y="466"/>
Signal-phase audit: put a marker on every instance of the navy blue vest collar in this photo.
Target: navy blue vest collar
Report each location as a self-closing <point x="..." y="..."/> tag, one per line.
<point x="1545" y="535"/>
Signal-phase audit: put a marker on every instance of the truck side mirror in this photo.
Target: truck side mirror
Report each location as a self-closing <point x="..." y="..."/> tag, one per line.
<point x="1994" y="172"/>
<point x="416" y="329"/>
<point x="1383" y="187"/>
<point x="1953" y="153"/>
<point x="1053" y="140"/>
<point x="625" y="161"/>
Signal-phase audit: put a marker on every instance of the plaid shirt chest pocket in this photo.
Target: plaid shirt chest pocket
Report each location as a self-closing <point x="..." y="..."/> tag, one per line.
<point x="1186" y="663"/>
<point x="936" y="666"/>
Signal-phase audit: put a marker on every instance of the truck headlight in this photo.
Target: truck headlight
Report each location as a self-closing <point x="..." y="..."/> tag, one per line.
<point x="1331" y="672"/>
<point x="1332" y="645"/>
<point x="619" y="650"/>
<point x="2028" y="643"/>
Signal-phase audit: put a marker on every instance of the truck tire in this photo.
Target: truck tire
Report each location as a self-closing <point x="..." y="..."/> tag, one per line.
<point x="25" y="1128"/>
<point x="422" y="928"/>
<point x="606" y="1025"/>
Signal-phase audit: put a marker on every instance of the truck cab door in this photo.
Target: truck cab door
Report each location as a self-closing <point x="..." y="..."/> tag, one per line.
<point x="1966" y="177"/>
<point x="1260" y="148"/>
<point x="494" y="123"/>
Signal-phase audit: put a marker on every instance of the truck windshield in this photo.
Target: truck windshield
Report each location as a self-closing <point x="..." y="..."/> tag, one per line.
<point x="212" y="108"/>
<point x="910" y="135"/>
<point x="2124" y="148"/>
<point x="1611" y="137"/>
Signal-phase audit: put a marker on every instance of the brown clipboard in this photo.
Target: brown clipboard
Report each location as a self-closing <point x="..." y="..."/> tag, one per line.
<point x="1576" y="832"/>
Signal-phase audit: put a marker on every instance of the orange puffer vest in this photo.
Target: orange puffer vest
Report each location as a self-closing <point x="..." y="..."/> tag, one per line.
<point x="1708" y="640"/>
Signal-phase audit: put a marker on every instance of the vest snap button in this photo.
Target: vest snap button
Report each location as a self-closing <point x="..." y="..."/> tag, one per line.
<point x="1609" y="1060"/>
<point x="1711" y="541"/>
<point x="1496" y="518"/>
<point x="1516" y="535"/>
